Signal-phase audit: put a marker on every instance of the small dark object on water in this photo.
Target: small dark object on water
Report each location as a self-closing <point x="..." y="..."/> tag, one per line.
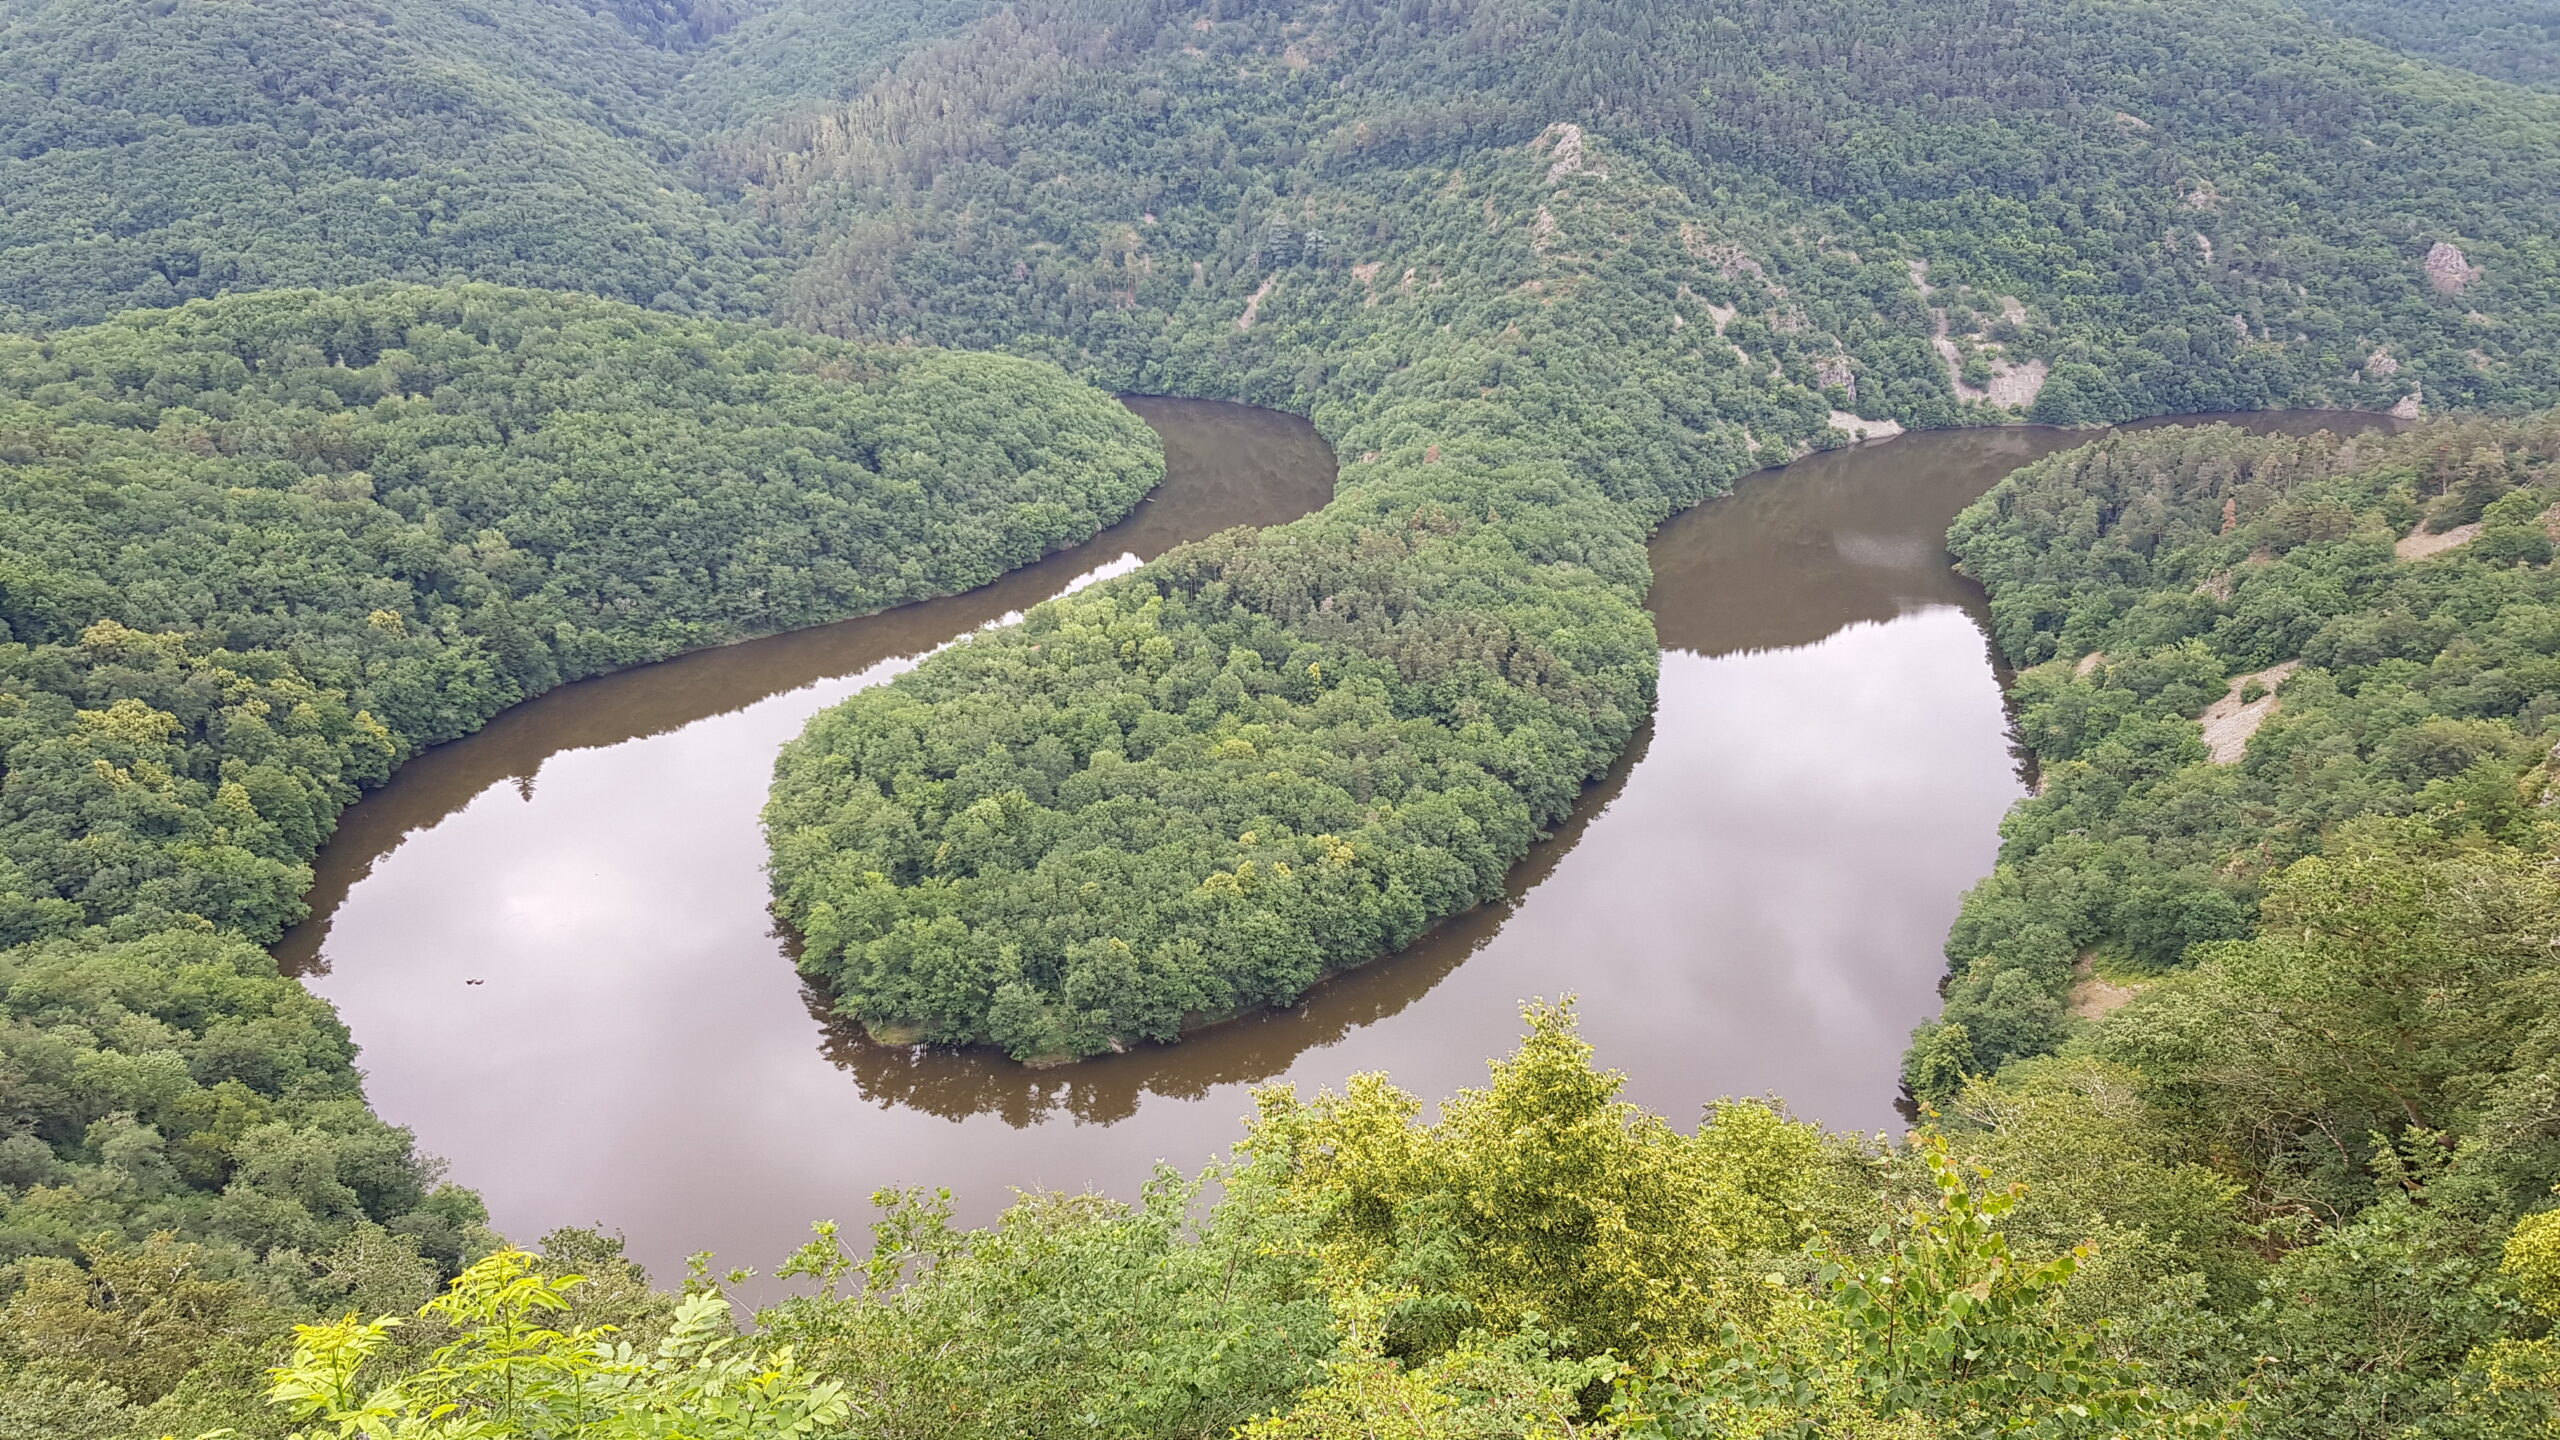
<point x="471" y="982"/>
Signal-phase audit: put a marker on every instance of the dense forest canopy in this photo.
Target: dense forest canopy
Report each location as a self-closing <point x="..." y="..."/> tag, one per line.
<point x="258" y="550"/>
<point x="1200" y="789"/>
<point x="2257" y="1003"/>
<point x="2516" y="40"/>
<point x="2297" y="588"/>
<point x="261" y="549"/>
<point x="156" y="153"/>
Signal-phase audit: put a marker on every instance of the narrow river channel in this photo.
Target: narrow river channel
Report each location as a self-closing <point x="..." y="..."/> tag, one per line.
<point x="551" y="939"/>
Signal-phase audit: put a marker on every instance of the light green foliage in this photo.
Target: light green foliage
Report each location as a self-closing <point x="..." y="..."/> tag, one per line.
<point x="1487" y="1275"/>
<point x="2300" y="1143"/>
<point x="1949" y="1322"/>
<point x="508" y="1373"/>
<point x="2392" y="980"/>
<point x="2100" y="1164"/>
<point x="2304" y="1151"/>
<point x="137" y="1318"/>
<point x="1543" y="1201"/>
<point x="1073" y="1315"/>
<point x="2524" y="1375"/>
<point x="1939" y="1329"/>
<point x="1478" y="1390"/>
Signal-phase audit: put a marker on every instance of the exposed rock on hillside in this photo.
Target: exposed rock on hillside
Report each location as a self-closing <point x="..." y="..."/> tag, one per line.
<point x="2230" y="721"/>
<point x="2449" y="270"/>
<point x="2420" y="543"/>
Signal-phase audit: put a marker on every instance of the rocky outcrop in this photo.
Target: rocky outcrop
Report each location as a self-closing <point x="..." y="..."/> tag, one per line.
<point x="1568" y="152"/>
<point x="2449" y="270"/>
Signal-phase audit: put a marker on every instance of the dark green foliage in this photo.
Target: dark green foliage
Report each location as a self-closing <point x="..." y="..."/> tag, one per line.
<point x="2193" y="206"/>
<point x="1545" y="275"/>
<point x="184" y="148"/>
<point x="1199" y="789"/>
<point x="2516" y="40"/>
<point x="179" y="1083"/>
<point x="756" y="59"/>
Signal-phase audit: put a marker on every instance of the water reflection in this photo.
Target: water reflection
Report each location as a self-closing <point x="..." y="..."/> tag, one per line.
<point x="1225" y="466"/>
<point x="1751" y="901"/>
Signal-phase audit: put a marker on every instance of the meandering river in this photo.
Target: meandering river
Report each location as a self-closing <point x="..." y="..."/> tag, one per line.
<point x="551" y="939"/>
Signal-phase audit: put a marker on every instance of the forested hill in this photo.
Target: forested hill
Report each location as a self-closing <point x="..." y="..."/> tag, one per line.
<point x="160" y="152"/>
<point x="1545" y="274"/>
<point x="2188" y="204"/>
<point x="2517" y="40"/>
<point x="376" y="519"/>
<point x="256" y="551"/>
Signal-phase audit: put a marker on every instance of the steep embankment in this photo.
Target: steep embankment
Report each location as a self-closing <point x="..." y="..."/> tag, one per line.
<point x="2270" y="588"/>
<point x="1531" y="337"/>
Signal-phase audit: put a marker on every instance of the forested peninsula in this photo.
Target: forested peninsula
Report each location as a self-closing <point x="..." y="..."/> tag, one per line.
<point x="1200" y="789"/>
<point x="2238" y="1119"/>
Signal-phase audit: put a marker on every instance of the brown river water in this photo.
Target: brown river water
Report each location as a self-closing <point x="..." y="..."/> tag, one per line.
<point x="551" y="938"/>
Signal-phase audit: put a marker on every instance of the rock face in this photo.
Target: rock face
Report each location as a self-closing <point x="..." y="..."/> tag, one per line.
<point x="2449" y="270"/>
<point x="2230" y="721"/>
<point x="1567" y="152"/>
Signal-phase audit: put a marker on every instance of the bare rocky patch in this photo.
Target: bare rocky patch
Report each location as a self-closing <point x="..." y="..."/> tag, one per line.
<point x="2095" y="998"/>
<point x="1858" y="427"/>
<point x="1253" y="304"/>
<point x="1569" y="155"/>
<point x="2012" y="385"/>
<point x="2420" y="543"/>
<point x="2230" y="721"/>
<point x="2449" y="270"/>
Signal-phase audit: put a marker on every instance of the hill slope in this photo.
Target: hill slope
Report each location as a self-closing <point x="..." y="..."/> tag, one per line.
<point x="165" y="152"/>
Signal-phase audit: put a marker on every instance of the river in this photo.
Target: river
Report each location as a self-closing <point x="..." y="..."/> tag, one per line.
<point x="551" y="939"/>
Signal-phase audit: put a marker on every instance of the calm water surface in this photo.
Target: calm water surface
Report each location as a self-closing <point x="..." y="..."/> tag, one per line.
<point x="1751" y="902"/>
